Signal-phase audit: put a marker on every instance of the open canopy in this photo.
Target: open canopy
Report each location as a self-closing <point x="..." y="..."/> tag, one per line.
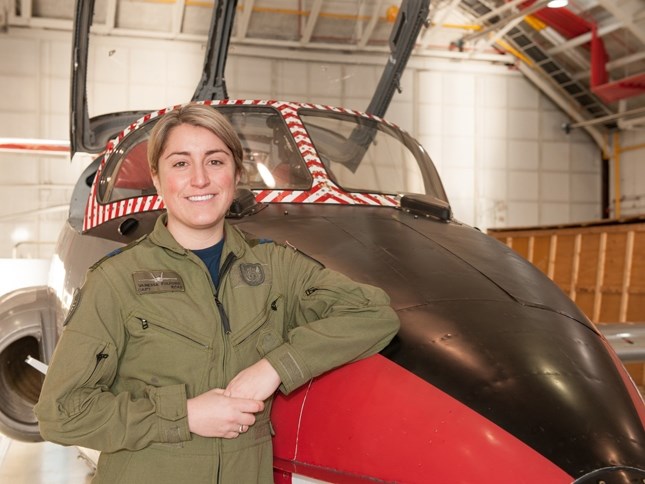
<point x="90" y="133"/>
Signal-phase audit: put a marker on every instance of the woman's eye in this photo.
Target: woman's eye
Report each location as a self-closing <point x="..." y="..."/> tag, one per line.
<point x="216" y="162"/>
<point x="179" y="164"/>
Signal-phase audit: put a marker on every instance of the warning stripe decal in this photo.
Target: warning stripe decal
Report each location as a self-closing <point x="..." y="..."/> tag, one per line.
<point x="323" y="189"/>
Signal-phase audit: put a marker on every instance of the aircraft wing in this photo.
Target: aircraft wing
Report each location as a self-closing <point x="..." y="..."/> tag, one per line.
<point x="627" y="339"/>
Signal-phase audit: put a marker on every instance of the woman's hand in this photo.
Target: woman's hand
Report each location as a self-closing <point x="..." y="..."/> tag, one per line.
<point x="257" y="382"/>
<point x="218" y="414"/>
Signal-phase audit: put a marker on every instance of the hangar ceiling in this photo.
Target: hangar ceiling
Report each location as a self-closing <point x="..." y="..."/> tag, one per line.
<point x="588" y="56"/>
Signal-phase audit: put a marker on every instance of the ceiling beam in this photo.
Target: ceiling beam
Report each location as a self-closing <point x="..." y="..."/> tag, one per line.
<point x="584" y="38"/>
<point x="564" y="102"/>
<point x="540" y="4"/>
<point x="367" y="33"/>
<point x="24" y="17"/>
<point x="245" y="19"/>
<point x="574" y="55"/>
<point x="604" y="119"/>
<point x="110" y="15"/>
<point x="439" y="19"/>
<point x="502" y="32"/>
<point x="629" y="12"/>
<point x="311" y="22"/>
<point x="178" y="12"/>
<point x="499" y="10"/>
<point x="615" y="64"/>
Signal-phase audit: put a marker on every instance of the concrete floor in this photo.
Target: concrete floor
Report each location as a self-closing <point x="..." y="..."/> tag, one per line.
<point x="41" y="463"/>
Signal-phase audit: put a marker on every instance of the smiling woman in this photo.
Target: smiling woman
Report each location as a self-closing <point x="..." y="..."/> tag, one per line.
<point x="178" y="342"/>
<point x="196" y="174"/>
<point x="195" y="160"/>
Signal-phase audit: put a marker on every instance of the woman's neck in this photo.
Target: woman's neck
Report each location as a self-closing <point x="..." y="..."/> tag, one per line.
<point x="195" y="239"/>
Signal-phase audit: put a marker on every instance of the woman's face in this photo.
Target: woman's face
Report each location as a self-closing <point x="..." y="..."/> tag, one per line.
<point x="196" y="178"/>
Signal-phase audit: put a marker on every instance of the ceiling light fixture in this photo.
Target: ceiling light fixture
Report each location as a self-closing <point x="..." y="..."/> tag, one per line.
<point x="557" y="3"/>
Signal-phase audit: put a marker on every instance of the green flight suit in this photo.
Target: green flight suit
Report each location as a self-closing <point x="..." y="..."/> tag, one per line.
<point x="145" y="333"/>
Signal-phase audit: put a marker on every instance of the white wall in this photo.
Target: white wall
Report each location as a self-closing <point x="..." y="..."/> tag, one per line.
<point x="34" y="75"/>
<point x="632" y="168"/>
<point x="503" y="157"/>
<point x="495" y="139"/>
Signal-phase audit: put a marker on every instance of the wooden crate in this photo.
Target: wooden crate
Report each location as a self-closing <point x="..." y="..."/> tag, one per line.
<point x="599" y="265"/>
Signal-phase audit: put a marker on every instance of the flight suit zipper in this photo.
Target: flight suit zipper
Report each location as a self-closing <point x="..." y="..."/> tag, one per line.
<point x="145" y="324"/>
<point x="100" y="357"/>
<point x="226" y="325"/>
<point x="228" y="262"/>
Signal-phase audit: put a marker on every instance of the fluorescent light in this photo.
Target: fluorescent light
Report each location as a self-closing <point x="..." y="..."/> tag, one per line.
<point x="20" y="234"/>
<point x="557" y="3"/>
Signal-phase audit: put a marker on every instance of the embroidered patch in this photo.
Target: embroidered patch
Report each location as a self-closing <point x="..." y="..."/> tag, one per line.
<point x="252" y="274"/>
<point x="76" y="299"/>
<point x="154" y="282"/>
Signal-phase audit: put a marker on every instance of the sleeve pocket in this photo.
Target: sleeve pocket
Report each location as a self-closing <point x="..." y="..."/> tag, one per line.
<point x="82" y="365"/>
<point x="268" y="340"/>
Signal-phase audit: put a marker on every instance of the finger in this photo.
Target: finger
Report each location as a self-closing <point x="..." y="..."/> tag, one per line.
<point x="247" y="419"/>
<point x="251" y="406"/>
<point x="247" y="405"/>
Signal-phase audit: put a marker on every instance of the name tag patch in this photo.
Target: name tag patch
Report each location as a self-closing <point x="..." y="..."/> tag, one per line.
<point x="154" y="282"/>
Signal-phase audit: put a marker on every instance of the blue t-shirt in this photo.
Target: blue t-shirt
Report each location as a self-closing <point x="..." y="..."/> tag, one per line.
<point x="211" y="257"/>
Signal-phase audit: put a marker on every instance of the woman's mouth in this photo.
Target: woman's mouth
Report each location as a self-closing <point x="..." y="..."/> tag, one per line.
<point x="201" y="198"/>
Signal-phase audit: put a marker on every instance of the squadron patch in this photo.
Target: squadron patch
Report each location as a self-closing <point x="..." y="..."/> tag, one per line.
<point x="154" y="282"/>
<point x="76" y="299"/>
<point x="252" y="274"/>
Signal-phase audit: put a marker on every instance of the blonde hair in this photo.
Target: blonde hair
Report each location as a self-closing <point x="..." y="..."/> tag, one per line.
<point x="199" y="115"/>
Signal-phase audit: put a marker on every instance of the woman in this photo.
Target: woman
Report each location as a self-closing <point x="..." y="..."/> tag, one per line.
<point x="170" y="358"/>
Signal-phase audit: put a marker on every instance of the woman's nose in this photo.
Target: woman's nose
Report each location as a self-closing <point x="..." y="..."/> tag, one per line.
<point x="199" y="176"/>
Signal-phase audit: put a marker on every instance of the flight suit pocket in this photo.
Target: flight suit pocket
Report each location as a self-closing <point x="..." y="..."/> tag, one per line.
<point x="261" y="335"/>
<point x="270" y="316"/>
<point x="162" y="352"/>
<point x="338" y="294"/>
<point x="268" y="340"/>
<point x="98" y="372"/>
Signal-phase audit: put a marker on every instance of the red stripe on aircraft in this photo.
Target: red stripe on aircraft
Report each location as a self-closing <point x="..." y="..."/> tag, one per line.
<point x="373" y="420"/>
<point x="305" y="195"/>
<point x="281" y="196"/>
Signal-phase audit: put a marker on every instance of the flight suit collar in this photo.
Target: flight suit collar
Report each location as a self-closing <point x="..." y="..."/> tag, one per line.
<point x="161" y="236"/>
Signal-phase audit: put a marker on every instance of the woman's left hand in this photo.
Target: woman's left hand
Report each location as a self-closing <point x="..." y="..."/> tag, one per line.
<point x="257" y="382"/>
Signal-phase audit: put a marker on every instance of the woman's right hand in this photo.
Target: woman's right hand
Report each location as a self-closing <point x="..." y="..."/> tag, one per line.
<point x="217" y="414"/>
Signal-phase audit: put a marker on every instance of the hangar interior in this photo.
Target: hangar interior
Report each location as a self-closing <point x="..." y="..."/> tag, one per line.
<point x="491" y="118"/>
<point x="533" y="118"/>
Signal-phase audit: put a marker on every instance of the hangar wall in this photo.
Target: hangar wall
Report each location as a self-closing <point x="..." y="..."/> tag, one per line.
<point x="631" y="190"/>
<point x="494" y="137"/>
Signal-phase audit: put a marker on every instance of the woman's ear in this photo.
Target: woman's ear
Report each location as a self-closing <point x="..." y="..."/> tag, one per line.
<point x="155" y="182"/>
